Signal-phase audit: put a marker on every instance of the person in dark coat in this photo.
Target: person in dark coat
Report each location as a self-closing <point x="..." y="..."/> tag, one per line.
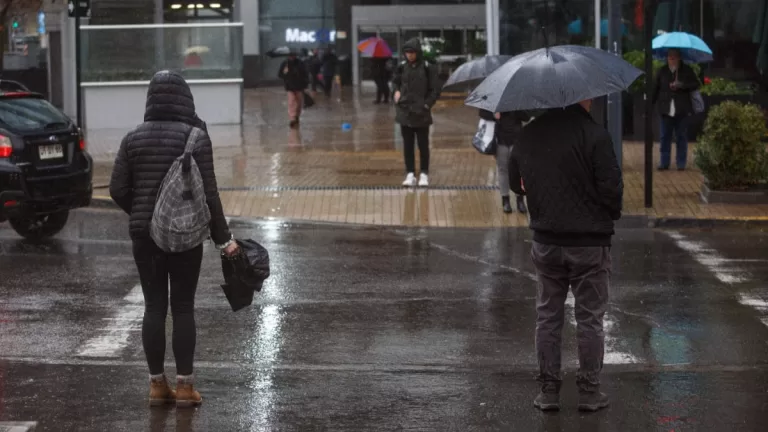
<point x="509" y="125"/>
<point x="145" y="156"/>
<point x="381" y="75"/>
<point x="569" y="172"/>
<point x="314" y="64"/>
<point x="672" y="95"/>
<point x="328" y="70"/>
<point x="415" y="93"/>
<point x="293" y="72"/>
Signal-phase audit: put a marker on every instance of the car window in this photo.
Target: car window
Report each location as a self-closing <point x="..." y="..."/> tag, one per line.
<point x="28" y="114"/>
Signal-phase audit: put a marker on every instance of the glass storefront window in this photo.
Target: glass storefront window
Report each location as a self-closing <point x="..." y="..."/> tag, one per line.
<point x="210" y="52"/>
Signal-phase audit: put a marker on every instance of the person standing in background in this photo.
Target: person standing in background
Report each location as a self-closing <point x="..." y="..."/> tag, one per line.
<point x="416" y="92"/>
<point x="380" y="72"/>
<point x="328" y="70"/>
<point x="672" y="96"/>
<point x="508" y="128"/>
<point x="294" y="75"/>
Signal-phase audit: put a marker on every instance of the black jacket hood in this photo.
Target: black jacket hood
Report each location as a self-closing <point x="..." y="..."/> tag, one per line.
<point x="415" y="45"/>
<point x="170" y="99"/>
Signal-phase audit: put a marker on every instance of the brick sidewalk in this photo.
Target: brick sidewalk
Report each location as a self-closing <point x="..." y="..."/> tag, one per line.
<point x="326" y="174"/>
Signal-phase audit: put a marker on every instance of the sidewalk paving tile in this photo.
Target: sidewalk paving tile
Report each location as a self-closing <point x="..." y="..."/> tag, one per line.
<point x="321" y="173"/>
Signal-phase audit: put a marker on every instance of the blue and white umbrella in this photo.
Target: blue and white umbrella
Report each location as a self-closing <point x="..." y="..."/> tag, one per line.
<point x="692" y="48"/>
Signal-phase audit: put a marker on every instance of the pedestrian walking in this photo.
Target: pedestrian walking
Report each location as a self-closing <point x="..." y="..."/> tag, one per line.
<point x="415" y="93"/>
<point x="675" y="82"/>
<point x="328" y="70"/>
<point x="314" y="64"/>
<point x="294" y="74"/>
<point x="509" y="125"/>
<point x="574" y="188"/>
<point x="381" y="75"/>
<point x="170" y="129"/>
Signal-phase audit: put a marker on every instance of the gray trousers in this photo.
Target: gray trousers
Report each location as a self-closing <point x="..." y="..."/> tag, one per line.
<point x="503" y="154"/>
<point x="587" y="271"/>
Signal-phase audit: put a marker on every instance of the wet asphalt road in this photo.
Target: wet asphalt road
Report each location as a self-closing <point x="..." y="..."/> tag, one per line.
<point x="386" y="329"/>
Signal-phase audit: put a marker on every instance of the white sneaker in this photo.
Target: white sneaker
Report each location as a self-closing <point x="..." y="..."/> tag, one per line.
<point x="410" y="180"/>
<point x="423" y="180"/>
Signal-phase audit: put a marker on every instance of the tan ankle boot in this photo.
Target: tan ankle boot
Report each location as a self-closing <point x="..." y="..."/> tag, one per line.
<point x="160" y="392"/>
<point x="186" y="396"/>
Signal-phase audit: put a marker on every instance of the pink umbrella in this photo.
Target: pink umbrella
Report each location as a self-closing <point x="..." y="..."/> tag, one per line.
<point x="375" y="47"/>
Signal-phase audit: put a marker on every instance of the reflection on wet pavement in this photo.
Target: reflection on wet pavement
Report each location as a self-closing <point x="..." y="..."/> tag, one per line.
<point x="386" y="329"/>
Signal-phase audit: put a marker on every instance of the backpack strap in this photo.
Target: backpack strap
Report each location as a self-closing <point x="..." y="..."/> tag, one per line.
<point x="186" y="164"/>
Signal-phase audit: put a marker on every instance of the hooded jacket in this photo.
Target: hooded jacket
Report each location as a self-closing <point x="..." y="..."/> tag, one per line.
<point x="418" y="87"/>
<point x="147" y="153"/>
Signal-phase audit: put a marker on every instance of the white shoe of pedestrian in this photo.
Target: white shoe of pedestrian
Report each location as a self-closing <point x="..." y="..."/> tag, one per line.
<point x="410" y="180"/>
<point x="423" y="180"/>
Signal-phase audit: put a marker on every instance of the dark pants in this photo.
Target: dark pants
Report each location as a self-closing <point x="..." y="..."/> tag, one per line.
<point x="382" y="89"/>
<point x="679" y="127"/>
<point x="328" y="84"/>
<point x="410" y="137"/>
<point x="587" y="271"/>
<point x="155" y="269"/>
<point x="316" y="82"/>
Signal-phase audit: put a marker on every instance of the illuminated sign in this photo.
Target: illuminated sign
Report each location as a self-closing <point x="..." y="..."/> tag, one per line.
<point x="293" y="35"/>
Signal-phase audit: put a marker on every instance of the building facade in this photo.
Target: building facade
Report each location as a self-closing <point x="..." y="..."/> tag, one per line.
<point x="732" y="28"/>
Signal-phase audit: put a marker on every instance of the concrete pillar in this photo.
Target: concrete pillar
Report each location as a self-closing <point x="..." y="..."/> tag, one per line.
<point x="492" y="27"/>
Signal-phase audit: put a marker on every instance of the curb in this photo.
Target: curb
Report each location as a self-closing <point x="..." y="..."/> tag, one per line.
<point x="626" y="222"/>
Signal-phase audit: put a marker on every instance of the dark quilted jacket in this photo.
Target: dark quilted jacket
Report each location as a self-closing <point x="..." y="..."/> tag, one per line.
<point x="571" y="177"/>
<point x="148" y="151"/>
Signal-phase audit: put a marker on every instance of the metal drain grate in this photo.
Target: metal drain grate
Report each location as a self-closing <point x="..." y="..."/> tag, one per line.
<point x="342" y="188"/>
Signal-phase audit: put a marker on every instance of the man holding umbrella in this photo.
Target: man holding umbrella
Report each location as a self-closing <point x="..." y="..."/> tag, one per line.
<point x="565" y="163"/>
<point x="673" y="90"/>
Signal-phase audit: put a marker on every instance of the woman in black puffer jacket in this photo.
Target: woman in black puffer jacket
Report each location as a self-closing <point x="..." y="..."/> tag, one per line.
<point x="145" y="156"/>
<point x="508" y="128"/>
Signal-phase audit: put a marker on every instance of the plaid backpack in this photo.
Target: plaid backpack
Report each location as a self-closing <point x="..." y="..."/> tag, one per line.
<point x="181" y="218"/>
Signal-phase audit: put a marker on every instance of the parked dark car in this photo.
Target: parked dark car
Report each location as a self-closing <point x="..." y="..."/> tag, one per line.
<point x="45" y="170"/>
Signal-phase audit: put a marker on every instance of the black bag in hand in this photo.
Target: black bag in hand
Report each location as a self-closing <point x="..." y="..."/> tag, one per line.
<point x="244" y="273"/>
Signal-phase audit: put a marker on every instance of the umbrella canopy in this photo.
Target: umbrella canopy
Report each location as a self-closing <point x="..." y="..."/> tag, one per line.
<point x="282" y="51"/>
<point x="197" y="50"/>
<point x="375" y="47"/>
<point x="692" y="49"/>
<point x="553" y="77"/>
<point x="471" y="73"/>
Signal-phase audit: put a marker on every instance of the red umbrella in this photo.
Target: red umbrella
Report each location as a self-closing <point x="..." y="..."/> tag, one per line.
<point x="375" y="47"/>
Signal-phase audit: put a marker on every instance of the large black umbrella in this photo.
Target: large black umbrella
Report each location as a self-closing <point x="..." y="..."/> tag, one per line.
<point x="552" y="77"/>
<point x="472" y="73"/>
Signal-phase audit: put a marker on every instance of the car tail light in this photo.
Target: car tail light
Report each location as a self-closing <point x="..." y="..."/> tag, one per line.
<point x="11" y="203"/>
<point x="6" y="149"/>
<point x="82" y="141"/>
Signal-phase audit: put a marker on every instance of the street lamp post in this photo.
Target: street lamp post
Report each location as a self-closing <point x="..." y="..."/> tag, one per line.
<point x="648" y="15"/>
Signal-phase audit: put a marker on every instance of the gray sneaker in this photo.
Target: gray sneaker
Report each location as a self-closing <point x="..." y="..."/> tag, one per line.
<point x="547" y="401"/>
<point x="592" y="402"/>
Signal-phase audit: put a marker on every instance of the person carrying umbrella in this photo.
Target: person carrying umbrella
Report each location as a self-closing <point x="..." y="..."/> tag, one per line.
<point x="377" y="49"/>
<point x="416" y="92"/>
<point x="294" y="75"/>
<point x="565" y="163"/>
<point x="508" y="128"/>
<point x="672" y="90"/>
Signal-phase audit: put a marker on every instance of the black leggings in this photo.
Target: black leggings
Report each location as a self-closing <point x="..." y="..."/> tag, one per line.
<point x="155" y="269"/>
<point x="410" y="137"/>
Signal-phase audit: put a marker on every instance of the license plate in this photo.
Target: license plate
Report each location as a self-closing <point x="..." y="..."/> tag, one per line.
<point x="52" y="151"/>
